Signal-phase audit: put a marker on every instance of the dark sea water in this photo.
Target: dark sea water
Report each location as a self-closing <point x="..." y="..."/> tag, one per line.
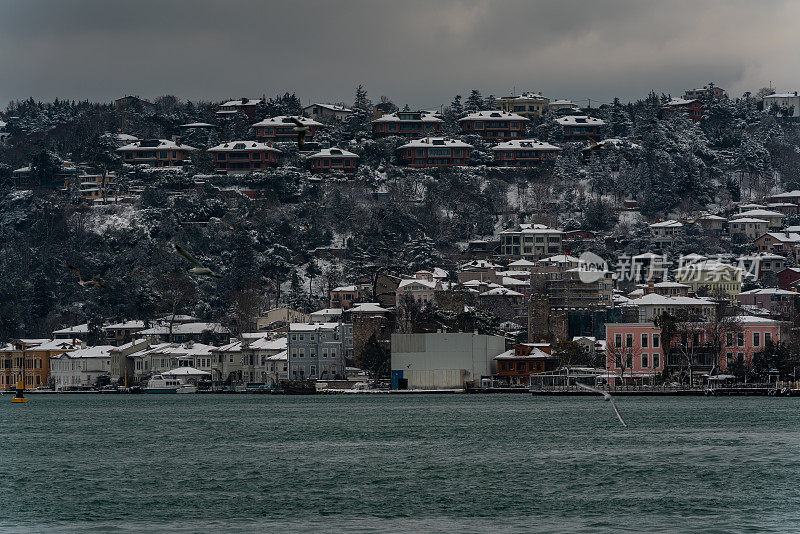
<point x="423" y="463"/>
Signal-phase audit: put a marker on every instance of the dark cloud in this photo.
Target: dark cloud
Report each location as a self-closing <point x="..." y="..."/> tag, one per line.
<point x="417" y="52"/>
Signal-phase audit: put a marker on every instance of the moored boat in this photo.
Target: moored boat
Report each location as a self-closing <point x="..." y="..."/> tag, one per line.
<point x="162" y="384"/>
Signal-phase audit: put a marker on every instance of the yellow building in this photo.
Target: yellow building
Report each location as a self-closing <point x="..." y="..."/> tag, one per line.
<point x="28" y="360"/>
<point x="527" y="104"/>
<point x="711" y="277"/>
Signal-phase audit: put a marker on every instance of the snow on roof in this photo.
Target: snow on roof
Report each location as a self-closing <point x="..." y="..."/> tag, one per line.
<point x="792" y="237"/>
<point x="770" y="291"/>
<point x="781" y="95"/>
<point x="77" y="329"/>
<point x="424" y="116"/>
<point x="285" y="120"/>
<point x="748" y="220"/>
<point x="562" y="258"/>
<point x="328" y="311"/>
<point x="706" y="265"/>
<point x="368" y="307"/>
<point x="580" y="120"/>
<point x="247" y="102"/>
<point x="493" y="114"/>
<point x="312" y="327"/>
<point x="198" y="125"/>
<point x="154" y="144"/>
<point x="522" y="263"/>
<point x="232" y="146"/>
<point x="332" y="107"/>
<point x="427" y="142"/>
<point x="185" y="328"/>
<point x="526" y="144"/>
<point x="124" y="325"/>
<point x="509" y="281"/>
<point x="711" y="217"/>
<point x="186" y="371"/>
<point x="332" y="153"/>
<point x="514" y="274"/>
<point x="59" y="344"/>
<point x="758" y="213"/>
<point x="669" y="284"/>
<point x="535" y="353"/>
<point x="501" y="291"/>
<point x="527" y="95"/>
<point x="563" y="102"/>
<point x="345" y="288"/>
<point x="681" y="101"/>
<point x="179" y="317"/>
<point x="762" y="256"/>
<point x="752" y="319"/>
<point x="654" y="299"/>
<point x="795" y="193"/>
<point x="667" y="224"/>
<point x="527" y="228"/>
<point x="98" y="351"/>
<point x="420" y="281"/>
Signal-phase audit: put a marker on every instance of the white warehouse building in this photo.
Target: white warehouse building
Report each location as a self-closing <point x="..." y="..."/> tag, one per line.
<point x="443" y="361"/>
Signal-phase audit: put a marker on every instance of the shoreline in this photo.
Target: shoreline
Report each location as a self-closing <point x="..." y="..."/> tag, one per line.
<point x="718" y="392"/>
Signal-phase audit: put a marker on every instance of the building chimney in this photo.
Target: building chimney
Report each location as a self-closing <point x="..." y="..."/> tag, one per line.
<point x="651" y="287"/>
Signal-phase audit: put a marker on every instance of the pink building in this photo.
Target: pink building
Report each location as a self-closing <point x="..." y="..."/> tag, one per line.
<point x="243" y="156"/>
<point x="282" y="129"/>
<point x="344" y="297"/>
<point x="635" y="350"/>
<point x="422" y="288"/>
<point x="434" y="152"/>
<point x="333" y="159"/>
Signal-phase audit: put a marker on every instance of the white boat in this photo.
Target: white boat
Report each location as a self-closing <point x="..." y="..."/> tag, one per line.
<point x="186" y="388"/>
<point x="163" y="384"/>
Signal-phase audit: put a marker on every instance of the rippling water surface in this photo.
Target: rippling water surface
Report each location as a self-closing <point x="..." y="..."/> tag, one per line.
<point x="390" y="463"/>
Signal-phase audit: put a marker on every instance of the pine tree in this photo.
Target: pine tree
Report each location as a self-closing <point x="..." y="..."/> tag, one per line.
<point x="474" y="101"/>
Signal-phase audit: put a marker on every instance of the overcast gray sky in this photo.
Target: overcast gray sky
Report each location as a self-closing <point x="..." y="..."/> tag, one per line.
<point x="416" y="52"/>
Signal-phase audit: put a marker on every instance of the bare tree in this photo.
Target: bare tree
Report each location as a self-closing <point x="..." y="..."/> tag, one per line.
<point x="622" y="354"/>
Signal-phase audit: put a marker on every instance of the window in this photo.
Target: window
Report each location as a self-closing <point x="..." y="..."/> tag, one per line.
<point x="729" y="339"/>
<point x="767" y="337"/>
<point x="628" y="340"/>
<point x="740" y="339"/>
<point x="645" y="361"/>
<point x="645" y="340"/>
<point x="617" y="340"/>
<point x="656" y="361"/>
<point x="756" y="339"/>
<point x="629" y="361"/>
<point x="656" y="340"/>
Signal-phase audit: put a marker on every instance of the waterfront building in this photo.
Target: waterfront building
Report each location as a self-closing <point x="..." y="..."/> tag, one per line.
<point x="443" y="360"/>
<point x="81" y="368"/>
<point x="318" y="351"/>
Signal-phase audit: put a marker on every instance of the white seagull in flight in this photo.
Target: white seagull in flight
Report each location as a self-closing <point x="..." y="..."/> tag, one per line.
<point x="606" y="397"/>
